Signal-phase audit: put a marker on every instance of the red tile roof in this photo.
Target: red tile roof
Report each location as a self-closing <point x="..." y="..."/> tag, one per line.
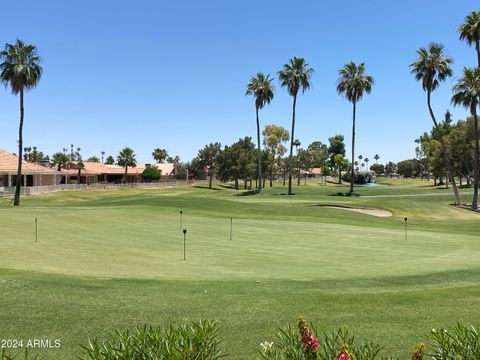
<point x="9" y="163"/>
<point x="99" y="168"/>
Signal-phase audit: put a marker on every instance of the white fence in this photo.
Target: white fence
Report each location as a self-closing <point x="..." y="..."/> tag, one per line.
<point x="32" y="190"/>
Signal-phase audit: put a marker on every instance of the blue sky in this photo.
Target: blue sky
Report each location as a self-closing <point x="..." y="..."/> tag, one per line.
<point x="172" y="74"/>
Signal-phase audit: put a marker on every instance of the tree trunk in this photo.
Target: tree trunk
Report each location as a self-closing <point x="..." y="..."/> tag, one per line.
<point x="259" y="184"/>
<point x="339" y="176"/>
<point x="292" y="138"/>
<point x="477" y="47"/>
<point x="210" y="181"/>
<point x="476" y="163"/>
<point x="236" y="184"/>
<point x="353" y="147"/>
<point x="271" y="168"/>
<point x="125" y="176"/>
<point x="458" y="201"/>
<point x="16" y="200"/>
<point x="79" y="174"/>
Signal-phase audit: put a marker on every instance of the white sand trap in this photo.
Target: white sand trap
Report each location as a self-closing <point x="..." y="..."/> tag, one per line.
<point x="368" y="211"/>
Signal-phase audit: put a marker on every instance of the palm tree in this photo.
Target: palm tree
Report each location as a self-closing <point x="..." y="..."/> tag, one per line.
<point x="60" y="160"/>
<point x="80" y="167"/>
<point x="431" y="67"/>
<point x="376" y="157"/>
<point x="109" y="160"/>
<point x="126" y="158"/>
<point x="367" y="161"/>
<point x="103" y="154"/>
<point x="466" y="92"/>
<point x="261" y="88"/>
<point x="353" y="83"/>
<point x="294" y="76"/>
<point x="22" y="71"/>
<point x="159" y="155"/>
<point x="470" y="31"/>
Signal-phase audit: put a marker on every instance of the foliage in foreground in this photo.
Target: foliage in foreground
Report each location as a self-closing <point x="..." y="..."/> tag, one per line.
<point x="301" y="344"/>
<point x="198" y="340"/>
<point x="26" y="356"/>
<point x="460" y="343"/>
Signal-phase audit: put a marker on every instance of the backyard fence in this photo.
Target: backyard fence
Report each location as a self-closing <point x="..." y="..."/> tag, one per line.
<point x="32" y="190"/>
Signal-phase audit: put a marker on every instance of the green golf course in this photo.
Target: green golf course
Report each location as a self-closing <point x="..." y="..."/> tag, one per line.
<point x="113" y="259"/>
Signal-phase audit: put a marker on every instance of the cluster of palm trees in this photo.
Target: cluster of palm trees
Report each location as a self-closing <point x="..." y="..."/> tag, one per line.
<point x="432" y="67"/>
<point x="21" y="70"/>
<point x="353" y="83"/>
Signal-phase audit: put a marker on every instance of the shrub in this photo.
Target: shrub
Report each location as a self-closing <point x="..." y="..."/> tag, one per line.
<point x="360" y="178"/>
<point x="301" y="344"/>
<point x="462" y="342"/>
<point x="26" y="356"/>
<point x="198" y="340"/>
<point x="151" y="174"/>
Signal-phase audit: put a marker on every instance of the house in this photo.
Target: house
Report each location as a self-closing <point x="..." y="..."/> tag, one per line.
<point x="315" y="172"/>
<point x="93" y="172"/>
<point x="32" y="174"/>
<point x="97" y="172"/>
<point x="168" y="170"/>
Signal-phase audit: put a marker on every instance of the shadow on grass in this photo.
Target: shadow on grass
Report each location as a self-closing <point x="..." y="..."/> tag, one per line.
<point x="227" y="186"/>
<point x="205" y="187"/>
<point x="347" y="194"/>
<point x="249" y="192"/>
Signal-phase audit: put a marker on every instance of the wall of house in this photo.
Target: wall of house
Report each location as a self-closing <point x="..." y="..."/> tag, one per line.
<point x="44" y="180"/>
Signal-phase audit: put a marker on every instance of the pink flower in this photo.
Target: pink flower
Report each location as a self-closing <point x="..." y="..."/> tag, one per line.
<point x="343" y="355"/>
<point x="314" y="344"/>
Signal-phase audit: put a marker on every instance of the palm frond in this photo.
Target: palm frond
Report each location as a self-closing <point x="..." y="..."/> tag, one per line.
<point x="20" y="67"/>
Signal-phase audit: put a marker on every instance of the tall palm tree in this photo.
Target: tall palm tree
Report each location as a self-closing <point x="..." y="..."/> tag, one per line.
<point x="103" y="154"/>
<point x="376" y="157"/>
<point x="466" y="92"/>
<point x="261" y="88"/>
<point x="470" y="31"/>
<point x="295" y="76"/>
<point x="20" y="68"/>
<point x="367" y="160"/>
<point x="353" y="83"/>
<point x="126" y="158"/>
<point x="431" y="67"/>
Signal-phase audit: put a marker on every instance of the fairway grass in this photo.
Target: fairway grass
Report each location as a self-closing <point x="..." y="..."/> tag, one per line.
<point x="109" y="259"/>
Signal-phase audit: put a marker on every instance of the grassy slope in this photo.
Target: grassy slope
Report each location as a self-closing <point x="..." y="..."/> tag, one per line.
<point x="111" y="259"/>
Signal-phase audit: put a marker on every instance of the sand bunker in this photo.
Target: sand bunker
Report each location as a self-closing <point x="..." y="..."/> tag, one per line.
<point x="368" y="211"/>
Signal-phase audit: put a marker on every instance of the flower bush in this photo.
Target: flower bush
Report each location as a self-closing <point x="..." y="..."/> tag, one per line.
<point x="302" y="344"/>
<point x="199" y="341"/>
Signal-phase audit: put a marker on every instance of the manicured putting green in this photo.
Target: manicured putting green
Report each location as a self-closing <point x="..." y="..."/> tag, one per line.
<point x="108" y="259"/>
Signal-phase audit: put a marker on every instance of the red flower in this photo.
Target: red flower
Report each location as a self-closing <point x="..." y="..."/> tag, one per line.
<point x="343" y="355"/>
